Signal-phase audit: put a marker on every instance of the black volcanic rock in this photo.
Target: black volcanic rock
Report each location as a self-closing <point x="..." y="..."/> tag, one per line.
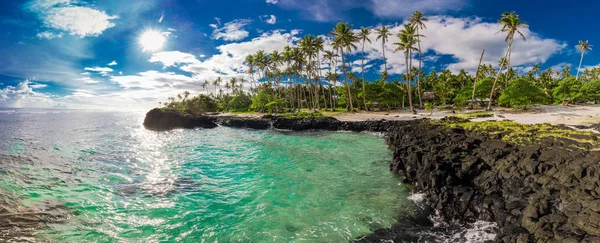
<point x="240" y="122"/>
<point x="162" y="120"/>
<point x="541" y="192"/>
<point x="301" y="124"/>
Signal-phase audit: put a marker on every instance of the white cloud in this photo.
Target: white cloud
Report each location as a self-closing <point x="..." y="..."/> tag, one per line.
<point x="229" y="62"/>
<point x="37" y="86"/>
<point x="102" y="70"/>
<point x="272" y="1"/>
<point x="88" y="80"/>
<point x="172" y="58"/>
<point x="49" y="35"/>
<point x="113" y="63"/>
<point x="231" y="31"/>
<point x="463" y="39"/>
<point x="22" y="96"/>
<point x="269" y="19"/>
<point x="153" y="80"/>
<point x="63" y="15"/>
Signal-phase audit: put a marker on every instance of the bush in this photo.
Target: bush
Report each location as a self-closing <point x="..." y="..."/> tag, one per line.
<point x="521" y="92"/>
<point x="239" y="103"/>
<point x="568" y="90"/>
<point x="482" y="91"/>
<point x="591" y="90"/>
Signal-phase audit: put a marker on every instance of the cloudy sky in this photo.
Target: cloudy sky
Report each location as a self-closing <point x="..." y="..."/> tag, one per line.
<point x="115" y="54"/>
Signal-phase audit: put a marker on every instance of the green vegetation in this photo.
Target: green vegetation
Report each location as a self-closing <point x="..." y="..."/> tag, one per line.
<point x="524" y="134"/>
<point x="307" y="76"/>
<point x="476" y="114"/>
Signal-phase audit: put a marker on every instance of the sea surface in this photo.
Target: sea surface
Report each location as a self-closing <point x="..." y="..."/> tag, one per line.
<point x="79" y="176"/>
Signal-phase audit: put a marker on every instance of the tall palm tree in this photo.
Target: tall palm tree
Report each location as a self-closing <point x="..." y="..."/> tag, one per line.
<point x="250" y="62"/>
<point x="363" y="35"/>
<point x="536" y="68"/>
<point x="308" y="46"/>
<point x="407" y="43"/>
<point x="319" y="47"/>
<point x="582" y="47"/>
<point x="417" y="20"/>
<point x="511" y="23"/>
<point x="343" y="40"/>
<point x="383" y="33"/>
<point x="330" y="58"/>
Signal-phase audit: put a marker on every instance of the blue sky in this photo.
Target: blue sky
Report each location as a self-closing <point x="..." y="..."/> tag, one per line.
<point x="87" y="54"/>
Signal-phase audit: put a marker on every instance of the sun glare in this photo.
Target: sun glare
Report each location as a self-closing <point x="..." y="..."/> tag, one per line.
<point x="152" y="40"/>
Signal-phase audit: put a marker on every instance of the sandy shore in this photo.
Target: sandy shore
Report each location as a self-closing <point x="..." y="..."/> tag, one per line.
<point x="554" y="114"/>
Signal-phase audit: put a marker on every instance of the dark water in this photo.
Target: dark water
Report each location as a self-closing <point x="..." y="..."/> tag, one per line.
<point x="77" y="176"/>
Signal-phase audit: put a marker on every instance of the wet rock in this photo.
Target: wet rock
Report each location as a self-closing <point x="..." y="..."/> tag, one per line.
<point x="162" y="120"/>
<point x="535" y="193"/>
<point x="251" y="123"/>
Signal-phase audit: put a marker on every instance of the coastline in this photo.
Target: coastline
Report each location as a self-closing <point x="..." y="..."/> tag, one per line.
<point x="535" y="190"/>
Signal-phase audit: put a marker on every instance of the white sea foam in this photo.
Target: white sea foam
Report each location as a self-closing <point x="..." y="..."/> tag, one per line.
<point x="480" y="231"/>
<point x="417" y="197"/>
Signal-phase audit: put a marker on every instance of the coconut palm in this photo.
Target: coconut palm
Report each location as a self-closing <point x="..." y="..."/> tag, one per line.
<point x="383" y="33"/>
<point x="417" y="20"/>
<point x="511" y="23"/>
<point x="330" y="58"/>
<point x="582" y="48"/>
<point x="343" y="40"/>
<point x="363" y="35"/>
<point x="536" y="68"/>
<point x="250" y="62"/>
<point x="319" y="47"/>
<point x="407" y="43"/>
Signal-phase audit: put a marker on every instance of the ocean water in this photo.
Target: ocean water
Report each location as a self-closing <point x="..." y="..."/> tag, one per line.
<point x="74" y="176"/>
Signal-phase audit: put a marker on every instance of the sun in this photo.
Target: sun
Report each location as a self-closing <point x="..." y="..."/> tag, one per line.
<point x="152" y="40"/>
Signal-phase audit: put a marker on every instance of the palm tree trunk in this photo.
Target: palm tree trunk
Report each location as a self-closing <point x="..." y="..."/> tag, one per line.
<point x="419" y="73"/>
<point x="579" y="68"/>
<point x="363" y="76"/>
<point x="475" y="82"/>
<point x="409" y="77"/>
<point x="497" y="76"/>
<point x="346" y="81"/>
<point x="319" y="82"/>
<point x="384" y="60"/>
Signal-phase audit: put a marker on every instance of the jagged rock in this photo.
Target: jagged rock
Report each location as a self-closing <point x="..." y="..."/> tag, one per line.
<point x="162" y="120"/>
<point x="540" y="192"/>
<point x="252" y="123"/>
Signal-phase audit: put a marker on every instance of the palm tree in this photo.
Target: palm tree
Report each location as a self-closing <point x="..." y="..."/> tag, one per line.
<point x="319" y="47"/>
<point x="536" y="68"/>
<point x="343" y="40"/>
<point x="308" y="46"/>
<point x="330" y="58"/>
<point x="250" y="62"/>
<point x="582" y="47"/>
<point x="383" y="33"/>
<point x="511" y="23"/>
<point x="407" y="43"/>
<point x="417" y="20"/>
<point x="364" y="36"/>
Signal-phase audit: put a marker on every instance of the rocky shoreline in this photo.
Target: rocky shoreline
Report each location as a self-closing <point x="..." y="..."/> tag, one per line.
<point x="547" y="190"/>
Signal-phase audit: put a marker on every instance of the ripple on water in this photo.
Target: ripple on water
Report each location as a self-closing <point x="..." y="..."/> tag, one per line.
<point x="113" y="181"/>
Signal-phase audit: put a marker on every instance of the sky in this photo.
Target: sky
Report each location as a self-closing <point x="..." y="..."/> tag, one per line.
<point x="131" y="55"/>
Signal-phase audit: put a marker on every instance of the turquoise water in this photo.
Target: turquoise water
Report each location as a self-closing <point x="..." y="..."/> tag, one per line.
<point x="101" y="177"/>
